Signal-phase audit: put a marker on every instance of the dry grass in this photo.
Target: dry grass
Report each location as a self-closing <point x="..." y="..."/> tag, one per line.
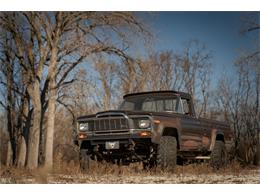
<point x="107" y="173"/>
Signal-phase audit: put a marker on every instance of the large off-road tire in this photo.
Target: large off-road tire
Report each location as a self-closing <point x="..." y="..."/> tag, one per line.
<point x="84" y="160"/>
<point x="167" y="153"/>
<point x="150" y="165"/>
<point x="218" y="157"/>
<point x="257" y="155"/>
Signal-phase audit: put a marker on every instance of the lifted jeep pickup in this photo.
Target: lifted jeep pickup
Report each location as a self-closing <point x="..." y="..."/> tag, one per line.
<point x="158" y="128"/>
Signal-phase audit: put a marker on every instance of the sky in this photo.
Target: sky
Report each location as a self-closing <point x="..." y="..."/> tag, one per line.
<point x="219" y="31"/>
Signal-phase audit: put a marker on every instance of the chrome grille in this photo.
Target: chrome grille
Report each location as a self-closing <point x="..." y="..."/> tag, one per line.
<point x="103" y="124"/>
<point x="109" y="125"/>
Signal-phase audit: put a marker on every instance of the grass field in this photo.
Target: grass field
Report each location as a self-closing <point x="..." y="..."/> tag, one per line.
<point x="192" y="173"/>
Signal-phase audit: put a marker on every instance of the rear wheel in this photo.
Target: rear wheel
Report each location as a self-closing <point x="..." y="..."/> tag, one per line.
<point x="257" y="155"/>
<point x="218" y="155"/>
<point x="167" y="153"/>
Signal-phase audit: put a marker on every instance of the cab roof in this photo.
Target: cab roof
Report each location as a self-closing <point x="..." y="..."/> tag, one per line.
<point x="165" y="92"/>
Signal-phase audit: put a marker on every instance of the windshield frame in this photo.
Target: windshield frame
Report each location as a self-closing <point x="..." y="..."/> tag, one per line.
<point x="140" y="99"/>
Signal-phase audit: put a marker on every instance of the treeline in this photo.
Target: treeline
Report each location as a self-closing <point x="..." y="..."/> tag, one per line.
<point x="39" y="50"/>
<point x="55" y="66"/>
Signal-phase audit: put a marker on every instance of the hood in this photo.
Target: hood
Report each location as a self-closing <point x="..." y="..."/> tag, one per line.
<point x="129" y="113"/>
<point x="114" y="112"/>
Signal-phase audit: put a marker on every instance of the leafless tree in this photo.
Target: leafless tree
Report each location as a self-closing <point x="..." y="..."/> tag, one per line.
<point x="195" y="62"/>
<point x="107" y="80"/>
<point x="240" y="99"/>
<point x="7" y="70"/>
<point x="56" y="43"/>
<point x="16" y="98"/>
<point x="31" y="54"/>
<point x="82" y="29"/>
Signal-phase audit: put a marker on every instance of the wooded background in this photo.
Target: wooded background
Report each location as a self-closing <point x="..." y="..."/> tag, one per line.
<point x="55" y="66"/>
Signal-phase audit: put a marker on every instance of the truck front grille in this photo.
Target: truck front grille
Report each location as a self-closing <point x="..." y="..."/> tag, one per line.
<point x="109" y="125"/>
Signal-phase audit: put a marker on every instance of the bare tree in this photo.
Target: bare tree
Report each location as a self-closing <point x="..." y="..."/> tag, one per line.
<point x="250" y="24"/>
<point x="157" y="72"/>
<point x="196" y="68"/>
<point x="7" y="69"/>
<point x="12" y="81"/>
<point x="80" y="35"/>
<point x="107" y="82"/>
<point x="239" y="98"/>
<point x="160" y="70"/>
<point x="48" y="46"/>
<point x="31" y="54"/>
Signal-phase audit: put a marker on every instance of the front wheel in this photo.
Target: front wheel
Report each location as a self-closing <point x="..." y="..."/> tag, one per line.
<point x="167" y="153"/>
<point x="218" y="155"/>
<point x="84" y="160"/>
<point x="150" y="165"/>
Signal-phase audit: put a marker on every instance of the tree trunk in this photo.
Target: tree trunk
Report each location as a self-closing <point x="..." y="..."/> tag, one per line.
<point x="51" y="110"/>
<point x="34" y="134"/>
<point x="11" y="111"/>
<point x="23" y="116"/>
<point x="9" y="155"/>
<point x="50" y="130"/>
<point x="21" y="153"/>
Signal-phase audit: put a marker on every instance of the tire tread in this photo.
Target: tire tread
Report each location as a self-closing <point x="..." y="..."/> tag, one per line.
<point x="167" y="153"/>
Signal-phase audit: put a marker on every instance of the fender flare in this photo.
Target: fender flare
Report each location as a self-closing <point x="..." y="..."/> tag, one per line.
<point x="216" y="134"/>
<point x="164" y="131"/>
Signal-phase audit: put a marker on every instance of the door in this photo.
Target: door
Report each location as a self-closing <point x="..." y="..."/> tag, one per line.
<point x="191" y="138"/>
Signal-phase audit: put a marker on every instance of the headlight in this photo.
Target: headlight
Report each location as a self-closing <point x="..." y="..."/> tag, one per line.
<point x="83" y="126"/>
<point x="144" y="124"/>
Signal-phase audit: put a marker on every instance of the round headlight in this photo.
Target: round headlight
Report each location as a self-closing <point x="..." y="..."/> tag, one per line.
<point x="144" y="124"/>
<point x="83" y="126"/>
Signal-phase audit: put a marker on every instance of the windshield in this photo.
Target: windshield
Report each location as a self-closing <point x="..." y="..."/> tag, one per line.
<point x="153" y="104"/>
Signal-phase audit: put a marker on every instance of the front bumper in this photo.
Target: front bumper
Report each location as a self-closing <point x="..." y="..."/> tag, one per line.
<point x="132" y="146"/>
<point x="95" y="139"/>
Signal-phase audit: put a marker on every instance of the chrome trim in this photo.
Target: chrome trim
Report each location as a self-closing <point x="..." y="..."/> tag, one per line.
<point x="112" y="114"/>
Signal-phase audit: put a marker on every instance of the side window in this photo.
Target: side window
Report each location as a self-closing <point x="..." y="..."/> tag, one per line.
<point x="128" y="106"/>
<point x="186" y="108"/>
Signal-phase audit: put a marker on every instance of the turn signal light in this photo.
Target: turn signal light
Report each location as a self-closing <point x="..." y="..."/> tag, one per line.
<point x="82" y="135"/>
<point x="145" y="133"/>
<point x="156" y="121"/>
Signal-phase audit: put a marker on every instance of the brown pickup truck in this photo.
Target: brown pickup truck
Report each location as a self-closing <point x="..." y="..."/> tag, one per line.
<point x="158" y="128"/>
